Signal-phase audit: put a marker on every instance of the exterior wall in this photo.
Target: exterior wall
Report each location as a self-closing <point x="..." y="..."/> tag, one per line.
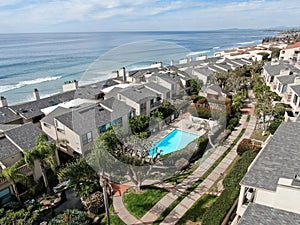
<point x="131" y="103"/>
<point x="287" y="54"/>
<point x="296" y="105"/>
<point x="49" y="130"/>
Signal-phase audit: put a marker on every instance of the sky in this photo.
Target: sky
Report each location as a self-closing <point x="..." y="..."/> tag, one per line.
<point x="144" y="15"/>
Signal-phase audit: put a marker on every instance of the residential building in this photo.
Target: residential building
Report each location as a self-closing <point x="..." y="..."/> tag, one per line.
<point x="14" y="140"/>
<point x="142" y="99"/>
<point x="75" y="129"/>
<point x="270" y="191"/>
<point x="291" y="52"/>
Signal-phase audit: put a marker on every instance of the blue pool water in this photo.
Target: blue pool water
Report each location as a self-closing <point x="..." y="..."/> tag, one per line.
<point x="175" y="140"/>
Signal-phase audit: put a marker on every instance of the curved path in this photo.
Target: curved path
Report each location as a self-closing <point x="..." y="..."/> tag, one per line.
<point x="153" y="214"/>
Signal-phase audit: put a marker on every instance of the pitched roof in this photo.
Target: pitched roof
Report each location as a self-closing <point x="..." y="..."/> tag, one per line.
<point x="113" y="92"/>
<point x="32" y="109"/>
<point x="55" y="113"/>
<point x="264" y="215"/>
<point x="7" y="116"/>
<point x="7" y="148"/>
<point x="24" y="136"/>
<point x="296" y="89"/>
<point x="279" y="159"/>
<point x="287" y="79"/>
<point x="295" y="45"/>
<point x="138" y="93"/>
<point x="275" y="69"/>
<point x="156" y="87"/>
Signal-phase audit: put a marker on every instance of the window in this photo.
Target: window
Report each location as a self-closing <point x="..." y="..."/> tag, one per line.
<point x="60" y="127"/>
<point x="117" y="121"/>
<point x="284" y="88"/>
<point x="87" y="138"/>
<point x="102" y="129"/>
<point x="131" y="115"/>
<point x="47" y="125"/>
<point x="295" y="99"/>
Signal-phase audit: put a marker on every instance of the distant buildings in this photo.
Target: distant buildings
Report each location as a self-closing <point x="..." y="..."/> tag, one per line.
<point x="291" y="52"/>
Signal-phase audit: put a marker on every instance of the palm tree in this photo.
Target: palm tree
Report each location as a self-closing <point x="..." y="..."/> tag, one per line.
<point x="13" y="176"/>
<point x="44" y="154"/>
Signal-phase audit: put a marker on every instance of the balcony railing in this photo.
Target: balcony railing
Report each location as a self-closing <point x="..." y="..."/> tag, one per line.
<point x="155" y="104"/>
<point x="25" y="170"/>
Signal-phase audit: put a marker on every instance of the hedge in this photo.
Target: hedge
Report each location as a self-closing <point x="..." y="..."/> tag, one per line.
<point x="216" y="213"/>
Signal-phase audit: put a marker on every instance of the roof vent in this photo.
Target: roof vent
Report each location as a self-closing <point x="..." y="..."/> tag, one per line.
<point x="297" y="177"/>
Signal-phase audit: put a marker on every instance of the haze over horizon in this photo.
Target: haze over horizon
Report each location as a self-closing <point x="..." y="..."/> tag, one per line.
<point x="17" y="16"/>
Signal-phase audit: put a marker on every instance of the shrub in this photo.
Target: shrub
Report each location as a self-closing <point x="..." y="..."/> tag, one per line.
<point x="71" y="217"/>
<point x="274" y="125"/>
<point x="12" y="205"/>
<point x="202" y="143"/>
<point x="246" y="145"/>
<point x="233" y="121"/>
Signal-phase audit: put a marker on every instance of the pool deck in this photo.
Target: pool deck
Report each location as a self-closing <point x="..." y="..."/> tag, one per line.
<point x="183" y="124"/>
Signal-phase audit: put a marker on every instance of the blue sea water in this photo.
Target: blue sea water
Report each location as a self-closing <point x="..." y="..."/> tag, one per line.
<point x="45" y="61"/>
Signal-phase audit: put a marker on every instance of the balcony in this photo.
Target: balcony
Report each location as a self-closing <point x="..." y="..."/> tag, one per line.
<point x="287" y="97"/>
<point x="155" y="104"/>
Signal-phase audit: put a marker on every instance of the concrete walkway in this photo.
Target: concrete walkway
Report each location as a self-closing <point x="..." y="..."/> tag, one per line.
<point x="202" y="188"/>
<point x="153" y="214"/>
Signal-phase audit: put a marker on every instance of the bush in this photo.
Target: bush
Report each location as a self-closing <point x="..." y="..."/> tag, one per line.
<point x="240" y="168"/>
<point x="246" y="145"/>
<point x="71" y="217"/>
<point x="215" y="214"/>
<point x="274" y="125"/>
<point x="12" y="205"/>
<point x="202" y="143"/>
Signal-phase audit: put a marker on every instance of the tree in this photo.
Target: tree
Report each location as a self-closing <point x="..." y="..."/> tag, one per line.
<point x="167" y="109"/>
<point x="71" y="217"/>
<point x="195" y="86"/>
<point x="238" y="101"/>
<point x="44" y="154"/>
<point x="82" y="177"/>
<point x="264" y="99"/>
<point x="13" y="176"/>
<point x="139" y="123"/>
<point x="275" y="52"/>
<point x="21" y="217"/>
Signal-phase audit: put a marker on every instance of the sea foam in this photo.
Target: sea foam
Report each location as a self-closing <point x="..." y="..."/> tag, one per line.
<point x="5" y="88"/>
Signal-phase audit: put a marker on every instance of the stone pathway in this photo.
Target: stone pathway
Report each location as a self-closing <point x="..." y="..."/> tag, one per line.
<point x="153" y="214"/>
<point x="202" y="188"/>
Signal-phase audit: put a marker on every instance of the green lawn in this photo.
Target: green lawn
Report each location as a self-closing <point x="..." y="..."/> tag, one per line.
<point x="257" y="135"/>
<point x="140" y="203"/>
<point x="196" y="212"/>
<point x="114" y="219"/>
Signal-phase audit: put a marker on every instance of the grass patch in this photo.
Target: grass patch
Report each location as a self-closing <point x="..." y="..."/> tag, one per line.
<point x="257" y="135"/>
<point x="114" y="218"/>
<point x="178" y="178"/>
<point x="196" y="212"/>
<point x="138" y="204"/>
<point x="248" y="118"/>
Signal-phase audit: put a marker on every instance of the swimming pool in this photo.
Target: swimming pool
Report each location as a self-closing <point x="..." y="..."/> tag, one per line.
<point x="174" y="141"/>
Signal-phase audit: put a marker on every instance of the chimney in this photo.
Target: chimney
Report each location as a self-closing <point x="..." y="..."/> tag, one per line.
<point x="70" y="86"/>
<point x="36" y="94"/>
<point x="3" y="101"/>
<point x="172" y="63"/>
<point x="122" y="73"/>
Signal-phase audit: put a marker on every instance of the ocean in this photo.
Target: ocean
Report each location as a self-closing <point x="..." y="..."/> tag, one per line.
<point x="45" y="61"/>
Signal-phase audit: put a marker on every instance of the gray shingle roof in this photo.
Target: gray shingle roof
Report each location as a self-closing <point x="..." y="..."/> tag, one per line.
<point x="296" y="89"/>
<point x="55" y="113"/>
<point x="288" y="79"/>
<point x="264" y="215"/>
<point x="138" y="93"/>
<point x="93" y="91"/>
<point x="279" y="159"/>
<point x="84" y="119"/>
<point x="204" y="71"/>
<point x="7" y="116"/>
<point x="113" y="92"/>
<point x="24" y="136"/>
<point x="156" y="87"/>
<point x="7" y="148"/>
<point x="33" y="109"/>
<point x="214" y="68"/>
<point x="275" y="69"/>
<point x="214" y="87"/>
